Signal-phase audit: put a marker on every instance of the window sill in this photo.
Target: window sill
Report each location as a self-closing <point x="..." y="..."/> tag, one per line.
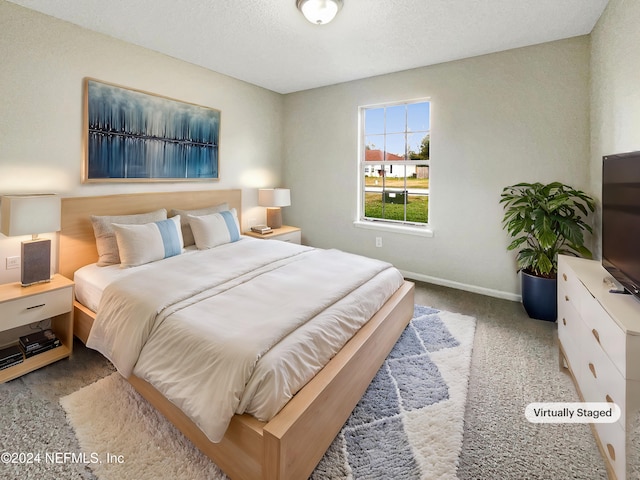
<point x="388" y="227"/>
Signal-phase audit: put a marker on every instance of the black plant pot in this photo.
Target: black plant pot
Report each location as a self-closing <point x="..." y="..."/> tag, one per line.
<point x="539" y="296"/>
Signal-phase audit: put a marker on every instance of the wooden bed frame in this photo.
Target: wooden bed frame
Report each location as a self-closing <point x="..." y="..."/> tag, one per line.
<point x="291" y="444"/>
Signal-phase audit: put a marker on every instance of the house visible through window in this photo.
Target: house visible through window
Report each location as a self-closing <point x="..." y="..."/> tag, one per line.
<point x="394" y="162"/>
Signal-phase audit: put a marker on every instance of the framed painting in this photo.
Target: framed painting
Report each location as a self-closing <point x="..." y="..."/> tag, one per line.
<point x="135" y="136"/>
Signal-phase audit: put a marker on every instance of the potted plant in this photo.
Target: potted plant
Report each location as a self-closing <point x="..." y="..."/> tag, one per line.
<point x="544" y="221"/>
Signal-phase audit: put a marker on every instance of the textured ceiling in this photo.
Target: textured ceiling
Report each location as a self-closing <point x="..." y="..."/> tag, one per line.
<point x="269" y="43"/>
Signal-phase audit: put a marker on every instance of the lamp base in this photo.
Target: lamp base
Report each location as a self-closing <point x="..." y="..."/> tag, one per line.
<point x="274" y="217"/>
<point x="36" y="262"/>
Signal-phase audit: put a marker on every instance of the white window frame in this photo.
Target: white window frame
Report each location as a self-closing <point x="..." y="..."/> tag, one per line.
<point x="414" y="228"/>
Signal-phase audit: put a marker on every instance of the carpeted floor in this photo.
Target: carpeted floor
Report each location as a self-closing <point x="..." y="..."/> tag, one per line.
<point x="514" y="362"/>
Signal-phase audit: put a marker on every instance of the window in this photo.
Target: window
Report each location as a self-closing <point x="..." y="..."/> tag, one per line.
<point x="394" y="163"/>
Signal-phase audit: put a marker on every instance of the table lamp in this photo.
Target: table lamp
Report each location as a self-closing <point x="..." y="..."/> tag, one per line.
<point x="273" y="199"/>
<point x="31" y="215"/>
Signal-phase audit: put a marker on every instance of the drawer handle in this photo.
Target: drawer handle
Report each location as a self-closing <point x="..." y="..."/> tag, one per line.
<point x="609" y="399"/>
<point x="564" y="277"/>
<point x="566" y="298"/>
<point x="612" y="451"/>
<point x="36" y="306"/>
<point x="564" y="321"/>
<point x="593" y="370"/>
<point x="596" y="334"/>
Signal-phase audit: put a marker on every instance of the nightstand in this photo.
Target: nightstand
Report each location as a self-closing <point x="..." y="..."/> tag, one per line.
<point x="284" y="234"/>
<point x="24" y="305"/>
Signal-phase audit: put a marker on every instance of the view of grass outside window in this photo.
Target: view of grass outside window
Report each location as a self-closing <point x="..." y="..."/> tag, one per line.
<point x="395" y="162"/>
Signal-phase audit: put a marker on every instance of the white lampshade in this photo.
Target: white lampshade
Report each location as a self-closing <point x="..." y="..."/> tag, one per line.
<point x="29" y="214"/>
<point x="274" y="197"/>
<point x="319" y="12"/>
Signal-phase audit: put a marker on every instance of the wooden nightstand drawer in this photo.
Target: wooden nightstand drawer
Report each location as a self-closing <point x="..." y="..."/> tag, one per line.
<point x="34" y="308"/>
<point x="292" y="237"/>
<point x="284" y="234"/>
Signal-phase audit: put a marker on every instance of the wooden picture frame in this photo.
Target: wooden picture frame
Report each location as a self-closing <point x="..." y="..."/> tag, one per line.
<point x="135" y="136"/>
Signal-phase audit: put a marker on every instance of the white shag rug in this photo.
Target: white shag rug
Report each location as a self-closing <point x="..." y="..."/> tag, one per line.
<point x="409" y="424"/>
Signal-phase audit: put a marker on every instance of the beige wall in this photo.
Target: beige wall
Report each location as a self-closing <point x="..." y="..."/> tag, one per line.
<point x="615" y="84"/>
<point x="515" y="116"/>
<point x="43" y="62"/>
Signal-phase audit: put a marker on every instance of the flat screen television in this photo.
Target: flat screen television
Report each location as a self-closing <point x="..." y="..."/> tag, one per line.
<point x="621" y="219"/>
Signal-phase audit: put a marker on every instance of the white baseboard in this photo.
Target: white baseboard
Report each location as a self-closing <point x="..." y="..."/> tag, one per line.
<point x="461" y="286"/>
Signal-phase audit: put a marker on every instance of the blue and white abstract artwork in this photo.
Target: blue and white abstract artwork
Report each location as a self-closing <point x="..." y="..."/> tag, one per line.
<point x="136" y="136"/>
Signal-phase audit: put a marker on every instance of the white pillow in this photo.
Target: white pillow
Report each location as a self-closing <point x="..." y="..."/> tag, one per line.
<point x="139" y="244"/>
<point x="105" y="237"/>
<point x="187" y="236"/>
<point x="215" y="229"/>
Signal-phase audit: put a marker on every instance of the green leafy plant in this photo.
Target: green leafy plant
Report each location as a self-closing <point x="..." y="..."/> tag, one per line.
<point x="544" y="221"/>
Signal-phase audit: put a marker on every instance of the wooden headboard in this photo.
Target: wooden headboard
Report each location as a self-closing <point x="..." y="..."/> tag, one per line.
<point x="77" y="246"/>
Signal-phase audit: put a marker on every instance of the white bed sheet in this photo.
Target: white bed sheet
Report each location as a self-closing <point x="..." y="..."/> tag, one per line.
<point x="91" y="280"/>
<point x="278" y="374"/>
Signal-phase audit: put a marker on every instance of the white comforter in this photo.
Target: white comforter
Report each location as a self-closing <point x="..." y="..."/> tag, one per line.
<point x="198" y="327"/>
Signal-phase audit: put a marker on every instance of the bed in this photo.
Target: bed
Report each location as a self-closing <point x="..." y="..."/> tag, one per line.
<point x="290" y="444"/>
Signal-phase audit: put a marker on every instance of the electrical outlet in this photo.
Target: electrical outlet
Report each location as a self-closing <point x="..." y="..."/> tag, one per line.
<point x="378" y="242"/>
<point x="13" y="262"/>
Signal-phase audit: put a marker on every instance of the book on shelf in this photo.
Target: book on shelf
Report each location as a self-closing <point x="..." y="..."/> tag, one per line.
<point x="42" y="349"/>
<point x="10" y="356"/>
<point x="10" y="353"/>
<point x="38" y="340"/>
<point x="11" y="363"/>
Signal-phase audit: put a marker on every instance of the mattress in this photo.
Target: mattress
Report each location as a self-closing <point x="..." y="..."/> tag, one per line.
<point x="242" y="335"/>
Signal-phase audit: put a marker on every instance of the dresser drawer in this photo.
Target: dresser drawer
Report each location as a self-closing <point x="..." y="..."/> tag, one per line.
<point x="33" y="308"/>
<point x="612" y="439"/>
<point x="600" y="380"/>
<point x="610" y="337"/>
<point x="571" y="328"/>
<point x="571" y="290"/>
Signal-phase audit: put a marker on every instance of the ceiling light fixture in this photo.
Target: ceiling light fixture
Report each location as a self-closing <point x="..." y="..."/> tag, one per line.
<point x="319" y="12"/>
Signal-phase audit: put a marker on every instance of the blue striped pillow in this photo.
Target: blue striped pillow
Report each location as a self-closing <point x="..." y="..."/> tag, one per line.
<point x="140" y="244"/>
<point x="215" y="229"/>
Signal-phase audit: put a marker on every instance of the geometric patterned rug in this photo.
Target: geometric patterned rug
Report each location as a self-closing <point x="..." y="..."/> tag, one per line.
<point x="408" y="425"/>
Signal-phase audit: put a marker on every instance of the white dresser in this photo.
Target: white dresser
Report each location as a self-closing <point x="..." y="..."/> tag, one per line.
<point x="599" y="334"/>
